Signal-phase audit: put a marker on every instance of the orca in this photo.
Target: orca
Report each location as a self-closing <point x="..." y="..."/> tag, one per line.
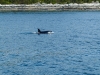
<point x="43" y="32"/>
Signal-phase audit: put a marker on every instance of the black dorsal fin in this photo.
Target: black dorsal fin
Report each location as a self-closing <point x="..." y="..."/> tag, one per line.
<point x="39" y="30"/>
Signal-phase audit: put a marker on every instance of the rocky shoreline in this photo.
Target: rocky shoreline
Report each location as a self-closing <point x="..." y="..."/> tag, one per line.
<point x="50" y="7"/>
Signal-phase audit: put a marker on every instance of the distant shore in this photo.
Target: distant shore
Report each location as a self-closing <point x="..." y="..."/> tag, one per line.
<point x="50" y="7"/>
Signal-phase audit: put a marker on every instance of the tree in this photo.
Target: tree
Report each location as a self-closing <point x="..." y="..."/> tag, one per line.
<point x="44" y="1"/>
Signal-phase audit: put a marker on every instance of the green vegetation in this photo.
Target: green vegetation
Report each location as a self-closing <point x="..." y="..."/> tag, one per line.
<point x="44" y="1"/>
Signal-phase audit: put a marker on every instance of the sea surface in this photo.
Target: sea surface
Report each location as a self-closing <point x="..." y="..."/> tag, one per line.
<point x="73" y="48"/>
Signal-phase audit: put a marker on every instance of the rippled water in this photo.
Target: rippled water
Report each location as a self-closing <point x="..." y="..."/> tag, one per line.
<point x="73" y="49"/>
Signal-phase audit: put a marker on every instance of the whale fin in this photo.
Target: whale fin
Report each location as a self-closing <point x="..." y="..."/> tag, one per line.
<point x="39" y="31"/>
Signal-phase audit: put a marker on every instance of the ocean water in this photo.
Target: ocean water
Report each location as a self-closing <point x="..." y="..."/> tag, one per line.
<point x="73" y="48"/>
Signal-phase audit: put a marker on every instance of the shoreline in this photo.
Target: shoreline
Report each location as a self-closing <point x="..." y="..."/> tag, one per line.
<point x="51" y="7"/>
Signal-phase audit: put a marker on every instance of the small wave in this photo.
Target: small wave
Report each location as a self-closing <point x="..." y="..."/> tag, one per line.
<point x="40" y="33"/>
<point x="35" y="32"/>
<point x="27" y="33"/>
<point x="50" y="32"/>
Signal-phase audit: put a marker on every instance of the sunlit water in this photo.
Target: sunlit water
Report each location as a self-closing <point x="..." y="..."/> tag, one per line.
<point x="73" y="48"/>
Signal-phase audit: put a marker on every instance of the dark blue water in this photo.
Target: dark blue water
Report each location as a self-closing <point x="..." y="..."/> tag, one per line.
<point x="73" y="49"/>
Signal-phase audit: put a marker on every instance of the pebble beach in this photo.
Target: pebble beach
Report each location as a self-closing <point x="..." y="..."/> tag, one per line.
<point x="50" y="7"/>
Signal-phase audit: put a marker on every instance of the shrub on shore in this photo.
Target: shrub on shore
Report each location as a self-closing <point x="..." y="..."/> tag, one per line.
<point x="45" y="1"/>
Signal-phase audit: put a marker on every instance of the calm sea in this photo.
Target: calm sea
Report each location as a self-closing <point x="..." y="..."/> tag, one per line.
<point x="73" y="48"/>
